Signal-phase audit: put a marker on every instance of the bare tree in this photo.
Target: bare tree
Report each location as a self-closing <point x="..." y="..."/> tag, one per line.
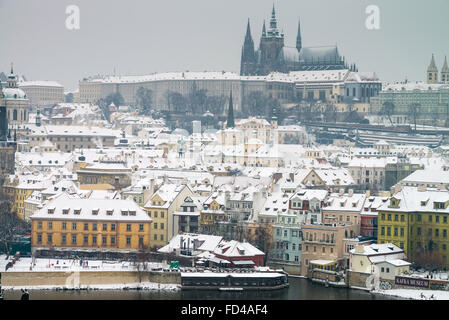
<point x="387" y="110"/>
<point x="414" y="111"/>
<point x="10" y="225"/>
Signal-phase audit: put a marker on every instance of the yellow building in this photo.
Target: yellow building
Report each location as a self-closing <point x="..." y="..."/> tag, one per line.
<point x="163" y="203"/>
<point x="70" y="222"/>
<point x="212" y="212"/>
<point x="416" y="220"/>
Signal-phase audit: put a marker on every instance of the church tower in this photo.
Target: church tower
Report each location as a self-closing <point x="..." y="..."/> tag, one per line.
<point x="271" y="46"/>
<point x="432" y="72"/>
<point x="445" y="72"/>
<point x="248" y="60"/>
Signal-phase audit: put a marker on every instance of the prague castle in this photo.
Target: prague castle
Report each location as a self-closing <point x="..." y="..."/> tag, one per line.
<point x="274" y="56"/>
<point x="432" y="72"/>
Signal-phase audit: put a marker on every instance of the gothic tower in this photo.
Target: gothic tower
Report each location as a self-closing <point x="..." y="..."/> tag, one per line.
<point x="270" y="47"/>
<point x="248" y="60"/>
<point x="230" y="123"/>
<point x="445" y="72"/>
<point x="298" y="38"/>
<point x="432" y="72"/>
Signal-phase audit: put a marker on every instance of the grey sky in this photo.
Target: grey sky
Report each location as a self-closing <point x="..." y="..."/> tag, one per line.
<point x="141" y="37"/>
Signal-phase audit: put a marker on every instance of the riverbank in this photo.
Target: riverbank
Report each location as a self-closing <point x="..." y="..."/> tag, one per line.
<point x="124" y="286"/>
<point x="414" y="294"/>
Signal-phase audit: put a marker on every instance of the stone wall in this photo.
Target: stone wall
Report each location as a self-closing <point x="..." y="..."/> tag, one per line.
<point x="82" y="278"/>
<point x="293" y="269"/>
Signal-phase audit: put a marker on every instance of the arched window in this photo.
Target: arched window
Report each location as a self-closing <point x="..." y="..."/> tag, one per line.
<point x="25" y="115"/>
<point x="14" y="114"/>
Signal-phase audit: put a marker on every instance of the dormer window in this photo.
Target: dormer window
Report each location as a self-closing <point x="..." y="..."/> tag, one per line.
<point x="77" y="211"/>
<point x="109" y="212"/>
<point x="439" y="205"/>
<point x="132" y="212"/>
<point x="95" y="211"/>
<point x="65" y="211"/>
<point x="124" y="212"/>
<point x="51" y="210"/>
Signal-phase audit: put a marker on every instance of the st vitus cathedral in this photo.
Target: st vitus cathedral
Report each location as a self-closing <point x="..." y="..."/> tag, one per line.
<point x="274" y="56"/>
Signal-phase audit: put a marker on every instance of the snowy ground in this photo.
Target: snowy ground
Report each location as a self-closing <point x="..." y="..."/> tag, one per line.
<point x="25" y="264"/>
<point x="415" y="294"/>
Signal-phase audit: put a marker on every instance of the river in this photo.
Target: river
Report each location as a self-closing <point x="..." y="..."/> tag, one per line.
<point x="299" y="289"/>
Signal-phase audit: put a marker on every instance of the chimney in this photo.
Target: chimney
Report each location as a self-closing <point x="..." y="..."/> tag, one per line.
<point x="422" y="188"/>
<point x="277" y="176"/>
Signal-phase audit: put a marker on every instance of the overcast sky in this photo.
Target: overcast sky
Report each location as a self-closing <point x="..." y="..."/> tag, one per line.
<point x="141" y="37"/>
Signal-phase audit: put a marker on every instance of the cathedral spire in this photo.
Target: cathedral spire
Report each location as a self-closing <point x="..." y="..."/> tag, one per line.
<point x="264" y="31"/>
<point x="273" y="31"/>
<point x="432" y="72"/>
<point x="12" y="71"/>
<point x="445" y="67"/>
<point x="298" y="37"/>
<point x="248" y="32"/>
<point x="445" y="72"/>
<point x="230" y="123"/>
<point x="432" y="67"/>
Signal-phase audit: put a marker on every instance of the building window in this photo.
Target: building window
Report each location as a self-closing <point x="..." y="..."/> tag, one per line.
<point x="112" y="241"/>
<point x="402" y="232"/>
<point x="402" y="218"/>
<point x="86" y="227"/>
<point x="94" y="227"/>
<point x="63" y="239"/>
<point x="128" y="227"/>
<point x="140" y="241"/>
<point x="86" y="239"/>
<point x="140" y="227"/>
<point x="39" y="225"/>
<point x="49" y="238"/>
<point x="430" y="218"/>
<point x="389" y="217"/>
<point x="388" y="231"/>
<point x="104" y="240"/>
<point x="155" y="225"/>
<point x="162" y="226"/>
<point x="162" y="237"/>
<point x="396" y="218"/>
<point x="50" y="225"/>
<point x="73" y="225"/>
<point x="395" y="232"/>
<point x="73" y="239"/>
<point x="112" y="226"/>
<point x="128" y="241"/>
<point x="64" y="226"/>
<point x="155" y="237"/>
<point x="94" y="240"/>
<point x="105" y="227"/>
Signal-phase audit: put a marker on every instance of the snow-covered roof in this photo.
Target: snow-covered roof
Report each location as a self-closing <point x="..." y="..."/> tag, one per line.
<point x="41" y="83"/>
<point x="92" y="209"/>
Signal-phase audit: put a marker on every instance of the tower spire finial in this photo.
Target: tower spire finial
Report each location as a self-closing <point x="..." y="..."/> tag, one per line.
<point x="12" y="72"/>
<point x="264" y="31"/>
<point x="298" y="37"/>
